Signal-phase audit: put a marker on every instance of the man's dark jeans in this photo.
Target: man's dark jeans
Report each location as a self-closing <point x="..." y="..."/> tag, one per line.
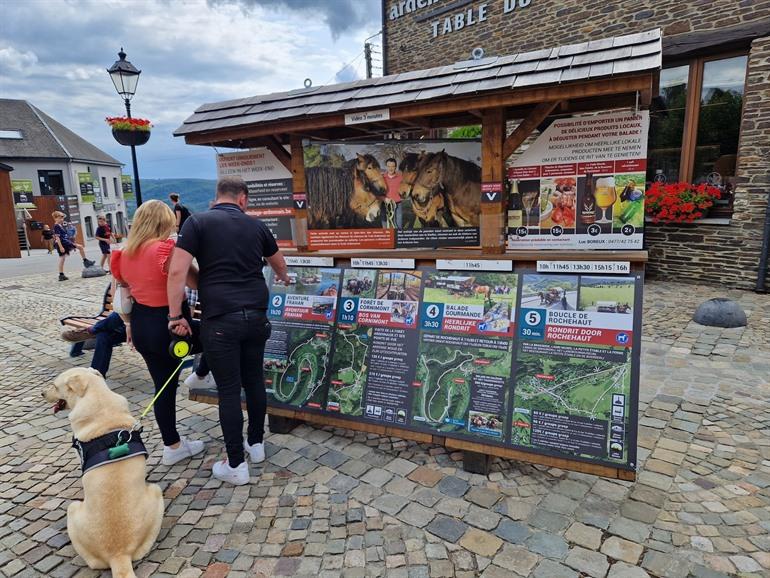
<point x="108" y="333"/>
<point x="235" y="348"/>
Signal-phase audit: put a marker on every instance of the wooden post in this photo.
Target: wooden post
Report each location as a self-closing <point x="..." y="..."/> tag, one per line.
<point x="281" y="425"/>
<point x="493" y="208"/>
<point x="476" y="463"/>
<point x="299" y="193"/>
<point x="9" y="240"/>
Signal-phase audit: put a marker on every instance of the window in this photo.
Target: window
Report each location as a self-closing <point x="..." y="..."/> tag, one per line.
<point x="89" y="227"/>
<point x="109" y="219"/>
<point x="695" y="124"/>
<point x="105" y="192"/>
<point x="51" y="182"/>
<point x="121" y="223"/>
<point x="12" y="134"/>
<point x="115" y="187"/>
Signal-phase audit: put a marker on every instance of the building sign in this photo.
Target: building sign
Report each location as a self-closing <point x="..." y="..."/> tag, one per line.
<point x="368" y="116"/>
<point x="127" y="187"/>
<point x="393" y="194"/>
<point x="580" y="184"/>
<point x="87" y="187"/>
<point x="73" y="208"/>
<point x="22" y="194"/>
<point x="541" y="362"/>
<point x="270" y="188"/>
<point x="442" y="18"/>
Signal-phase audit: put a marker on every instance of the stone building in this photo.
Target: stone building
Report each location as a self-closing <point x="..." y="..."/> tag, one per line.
<point x="54" y="168"/>
<point x="709" y="121"/>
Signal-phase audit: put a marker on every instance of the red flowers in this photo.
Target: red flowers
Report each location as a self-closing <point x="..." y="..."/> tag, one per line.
<point x="125" y="123"/>
<point x="679" y="202"/>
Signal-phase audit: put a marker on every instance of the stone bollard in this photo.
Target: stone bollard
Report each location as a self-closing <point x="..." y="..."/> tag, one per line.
<point x="720" y="312"/>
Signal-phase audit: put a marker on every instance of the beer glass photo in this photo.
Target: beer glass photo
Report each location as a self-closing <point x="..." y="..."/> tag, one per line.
<point x="605" y="196"/>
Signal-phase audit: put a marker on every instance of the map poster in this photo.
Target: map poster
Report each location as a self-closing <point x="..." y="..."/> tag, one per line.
<point x="463" y="374"/>
<point x="87" y="187"/>
<point x="580" y="185"/>
<point x="375" y="344"/>
<point x="576" y="366"/>
<point x="393" y="194"/>
<point x="299" y="349"/>
<point x="270" y="187"/>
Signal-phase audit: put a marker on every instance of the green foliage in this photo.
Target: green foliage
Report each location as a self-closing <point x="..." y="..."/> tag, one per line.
<point x="473" y="131"/>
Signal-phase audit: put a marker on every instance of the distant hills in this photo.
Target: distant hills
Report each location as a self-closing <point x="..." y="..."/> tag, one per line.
<point x="196" y="193"/>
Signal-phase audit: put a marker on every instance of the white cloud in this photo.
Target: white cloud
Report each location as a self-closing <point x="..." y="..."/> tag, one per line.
<point x="12" y="60"/>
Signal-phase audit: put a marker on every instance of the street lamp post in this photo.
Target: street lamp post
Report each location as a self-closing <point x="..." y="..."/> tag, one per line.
<point x="125" y="77"/>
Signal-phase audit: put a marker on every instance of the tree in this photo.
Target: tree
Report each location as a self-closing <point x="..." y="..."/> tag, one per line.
<point x="473" y="131"/>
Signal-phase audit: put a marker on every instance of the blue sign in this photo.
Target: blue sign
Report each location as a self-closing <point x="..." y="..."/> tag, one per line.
<point x="532" y="323"/>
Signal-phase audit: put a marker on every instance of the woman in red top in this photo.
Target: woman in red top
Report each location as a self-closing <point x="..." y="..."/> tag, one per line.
<point x="142" y="268"/>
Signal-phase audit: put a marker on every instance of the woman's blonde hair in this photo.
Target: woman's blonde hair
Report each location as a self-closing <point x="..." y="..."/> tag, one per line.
<point x="57" y="214"/>
<point x="153" y="221"/>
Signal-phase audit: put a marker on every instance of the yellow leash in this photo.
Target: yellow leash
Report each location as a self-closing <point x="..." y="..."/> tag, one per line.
<point x="157" y="395"/>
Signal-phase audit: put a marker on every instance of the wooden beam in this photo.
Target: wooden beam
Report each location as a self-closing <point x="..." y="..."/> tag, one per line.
<point x="492" y="218"/>
<point x="592" y="89"/>
<point x="275" y="147"/>
<point x="522" y="132"/>
<point x="299" y="191"/>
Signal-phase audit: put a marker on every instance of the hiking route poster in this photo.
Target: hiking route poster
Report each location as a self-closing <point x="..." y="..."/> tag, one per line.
<point x="298" y="353"/>
<point x="580" y="185"/>
<point x="393" y="194"/>
<point x="463" y="372"/>
<point x="375" y="344"/>
<point x="576" y="366"/>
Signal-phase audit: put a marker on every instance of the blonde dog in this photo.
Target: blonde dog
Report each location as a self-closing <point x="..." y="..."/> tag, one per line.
<point x="120" y="516"/>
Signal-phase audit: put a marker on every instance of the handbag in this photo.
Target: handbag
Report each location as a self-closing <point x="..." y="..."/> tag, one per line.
<point x="122" y="303"/>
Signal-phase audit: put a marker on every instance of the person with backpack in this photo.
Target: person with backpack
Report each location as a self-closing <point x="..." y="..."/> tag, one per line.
<point x="181" y="212"/>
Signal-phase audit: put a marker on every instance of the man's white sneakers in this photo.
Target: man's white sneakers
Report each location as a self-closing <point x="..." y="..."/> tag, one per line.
<point x="187" y="449"/>
<point x="239" y="476"/>
<point x="194" y="380"/>
<point x="256" y="452"/>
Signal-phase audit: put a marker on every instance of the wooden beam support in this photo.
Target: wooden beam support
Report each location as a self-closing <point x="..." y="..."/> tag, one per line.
<point x="522" y="132"/>
<point x="275" y="147"/>
<point x="508" y="98"/>
<point x="299" y="193"/>
<point x="493" y="213"/>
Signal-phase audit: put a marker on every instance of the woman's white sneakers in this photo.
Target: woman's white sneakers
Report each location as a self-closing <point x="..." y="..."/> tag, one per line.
<point x="187" y="449"/>
<point x="239" y="476"/>
<point x="256" y="452"/>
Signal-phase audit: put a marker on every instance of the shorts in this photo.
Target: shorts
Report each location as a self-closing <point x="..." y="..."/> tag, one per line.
<point x="67" y="249"/>
<point x="105" y="248"/>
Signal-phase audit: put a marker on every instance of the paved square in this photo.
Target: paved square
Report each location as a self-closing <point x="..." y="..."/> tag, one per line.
<point x="331" y="502"/>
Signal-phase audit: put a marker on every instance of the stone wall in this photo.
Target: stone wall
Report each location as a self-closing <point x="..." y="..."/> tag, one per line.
<point x="410" y="44"/>
<point x="720" y="254"/>
<point x="728" y="254"/>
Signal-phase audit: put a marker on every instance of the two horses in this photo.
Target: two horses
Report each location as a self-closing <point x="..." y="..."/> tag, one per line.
<point x="350" y="197"/>
<point x="445" y="191"/>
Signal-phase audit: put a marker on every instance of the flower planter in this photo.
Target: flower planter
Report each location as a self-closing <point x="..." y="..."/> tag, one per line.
<point x="131" y="137"/>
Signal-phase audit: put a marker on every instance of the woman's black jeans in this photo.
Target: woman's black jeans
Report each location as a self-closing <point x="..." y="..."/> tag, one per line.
<point x="149" y="331"/>
<point x="235" y="348"/>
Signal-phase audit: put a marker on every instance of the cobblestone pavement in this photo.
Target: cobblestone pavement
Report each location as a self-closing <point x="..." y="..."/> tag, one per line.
<point x="337" y="503"/>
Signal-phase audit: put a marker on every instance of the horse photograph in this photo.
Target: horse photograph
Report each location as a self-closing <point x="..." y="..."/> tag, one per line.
<point x="406" y="186"/>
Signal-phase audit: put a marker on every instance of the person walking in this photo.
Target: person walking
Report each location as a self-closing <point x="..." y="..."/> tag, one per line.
<point x="64" y="244"/>
<point x="142" y="268"/>
<point x="181" y="212"/>
<point x="230" y="248"/>
<point x="48" y="238"/>
<point x="104" y="236"/>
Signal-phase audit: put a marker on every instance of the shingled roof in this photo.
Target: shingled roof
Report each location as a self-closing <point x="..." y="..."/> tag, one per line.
<point x="42" y="137"/>
<point x="596" y="59"/>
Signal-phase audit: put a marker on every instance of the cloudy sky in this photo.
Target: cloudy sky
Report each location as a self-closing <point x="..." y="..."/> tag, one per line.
<point x="54" y="53"/>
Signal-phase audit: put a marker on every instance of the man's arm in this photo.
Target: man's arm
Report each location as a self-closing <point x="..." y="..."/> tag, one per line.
<point x="278" y="264"/>
<point x="177" y="275"/>
<point x="178" y="215"/>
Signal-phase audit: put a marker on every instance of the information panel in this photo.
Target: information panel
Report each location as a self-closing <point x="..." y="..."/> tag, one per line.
<point x="270" y="188"/>
<point x="298" y="352"/>
<point x="393" y="194"/>
<point x="580" y="184"/>
<point x="546" y="363"/>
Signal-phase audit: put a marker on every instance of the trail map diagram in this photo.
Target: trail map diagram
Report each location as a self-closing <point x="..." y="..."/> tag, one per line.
<point x="446" y="374"/>
<point x="349" y="369"/>
<point x="567" y="386"/>
<point x="301" y="376"/>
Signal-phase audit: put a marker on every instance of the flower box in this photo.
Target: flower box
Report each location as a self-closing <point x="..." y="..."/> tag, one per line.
<point x="131" y="137"/>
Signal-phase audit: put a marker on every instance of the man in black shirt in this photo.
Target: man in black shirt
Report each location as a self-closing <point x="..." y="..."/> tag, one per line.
<point x="181" y="212"/>
<point x="229" y="247"/>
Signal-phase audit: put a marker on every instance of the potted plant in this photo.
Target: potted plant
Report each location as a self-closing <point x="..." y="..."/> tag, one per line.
<point x="130" y="131"/>
<point x="679" y="202"/>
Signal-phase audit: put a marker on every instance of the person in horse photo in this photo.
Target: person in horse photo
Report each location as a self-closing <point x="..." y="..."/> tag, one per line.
<point x="393" y="180"/>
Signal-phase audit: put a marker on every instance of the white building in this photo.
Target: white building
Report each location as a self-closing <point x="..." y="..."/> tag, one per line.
<point x="48" y="159"/>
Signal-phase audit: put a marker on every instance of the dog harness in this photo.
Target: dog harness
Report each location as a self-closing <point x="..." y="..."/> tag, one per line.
<point x="111" y="447"/>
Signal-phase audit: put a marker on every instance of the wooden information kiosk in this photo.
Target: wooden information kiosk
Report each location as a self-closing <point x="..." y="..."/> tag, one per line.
<point x="497" y="329"/>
